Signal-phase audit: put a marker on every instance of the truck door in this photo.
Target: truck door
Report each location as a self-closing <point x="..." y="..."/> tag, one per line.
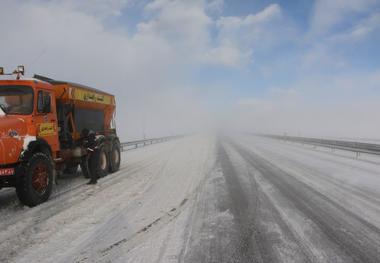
<point x="46" y="118"/>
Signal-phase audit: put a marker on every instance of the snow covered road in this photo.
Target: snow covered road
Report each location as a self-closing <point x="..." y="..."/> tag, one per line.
<point x="206" y="199"/>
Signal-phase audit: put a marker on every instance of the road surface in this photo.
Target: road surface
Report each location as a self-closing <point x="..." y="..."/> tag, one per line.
<point x="206" y="198"/>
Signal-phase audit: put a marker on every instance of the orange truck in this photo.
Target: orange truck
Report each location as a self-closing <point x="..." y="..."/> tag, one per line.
<point x="50" y="127"/>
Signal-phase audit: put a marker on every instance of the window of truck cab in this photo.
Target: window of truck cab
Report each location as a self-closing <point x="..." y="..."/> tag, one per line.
<point x="16" y="99"/>
<point x="43" y="102"/>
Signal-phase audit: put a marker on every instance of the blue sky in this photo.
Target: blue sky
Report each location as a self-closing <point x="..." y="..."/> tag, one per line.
<point x="275" y="66"/>
<point x="286" y="54"/>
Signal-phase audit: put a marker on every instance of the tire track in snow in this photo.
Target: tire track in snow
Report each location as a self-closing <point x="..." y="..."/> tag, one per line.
<point x="357" y="238"/>
<point x="224" y="225"/>
<point x="16" y="237"/>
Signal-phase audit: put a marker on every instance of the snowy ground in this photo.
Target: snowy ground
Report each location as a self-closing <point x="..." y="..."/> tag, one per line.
<point x="207" y="199"/>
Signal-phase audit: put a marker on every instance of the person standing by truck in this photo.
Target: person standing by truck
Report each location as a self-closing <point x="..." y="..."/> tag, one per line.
<point x="89" y="140"/>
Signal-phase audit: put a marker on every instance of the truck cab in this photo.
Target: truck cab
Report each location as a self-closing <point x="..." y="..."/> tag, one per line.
<point x="39" y="136"/>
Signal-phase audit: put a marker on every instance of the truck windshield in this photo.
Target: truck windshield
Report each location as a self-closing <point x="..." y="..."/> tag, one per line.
<point x="16" y="99"/>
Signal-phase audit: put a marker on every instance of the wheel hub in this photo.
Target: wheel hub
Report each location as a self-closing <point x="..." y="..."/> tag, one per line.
<point x="40" y="178"/>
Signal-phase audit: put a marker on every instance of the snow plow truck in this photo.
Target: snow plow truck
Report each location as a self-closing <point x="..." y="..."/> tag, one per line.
<point x="50" y="127"/>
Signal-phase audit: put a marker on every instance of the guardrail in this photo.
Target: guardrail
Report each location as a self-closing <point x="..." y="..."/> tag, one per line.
<point x="357" y="147"/>
<point x="125" y="146"/>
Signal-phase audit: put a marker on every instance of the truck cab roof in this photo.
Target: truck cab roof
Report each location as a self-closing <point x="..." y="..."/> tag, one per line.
<point x="72" y="84"/>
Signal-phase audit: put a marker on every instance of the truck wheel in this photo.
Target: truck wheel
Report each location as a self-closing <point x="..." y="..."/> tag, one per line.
<point x="84" y="167"/>
<point x="114" y="157"/>
<point x="98" y="163"/>
<point x="36" y="184"/>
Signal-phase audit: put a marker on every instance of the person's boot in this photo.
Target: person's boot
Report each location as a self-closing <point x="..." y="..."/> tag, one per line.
<point x="93" y="181"/>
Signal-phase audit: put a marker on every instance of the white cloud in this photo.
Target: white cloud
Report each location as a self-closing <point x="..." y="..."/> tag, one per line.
<point x="238" y="37"/>
<point x="327" y="13"/>
<point x="215" y="6"/>
<point x="363" y="29"/>
<point x="283" y="92"/>
<point x="183" y="23"/>
<point x="252" y="22"/>
<point x="320" y="56"/>
<point x="187" y="27"/>
<point x="227" y="56"/>
<point x="256" y="104"/>
<point x="98" y="7"/>
<point x="328" y="51"/>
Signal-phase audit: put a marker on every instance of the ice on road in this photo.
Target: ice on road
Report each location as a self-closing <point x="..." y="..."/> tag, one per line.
<point x="206" y="198"/>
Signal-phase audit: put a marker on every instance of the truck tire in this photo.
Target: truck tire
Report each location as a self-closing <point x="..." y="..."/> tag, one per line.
<point x="84" y="167"/>
<point x="99" y="163"/>
<point x="36" y="183"/>
<point x="114" y="157"/>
